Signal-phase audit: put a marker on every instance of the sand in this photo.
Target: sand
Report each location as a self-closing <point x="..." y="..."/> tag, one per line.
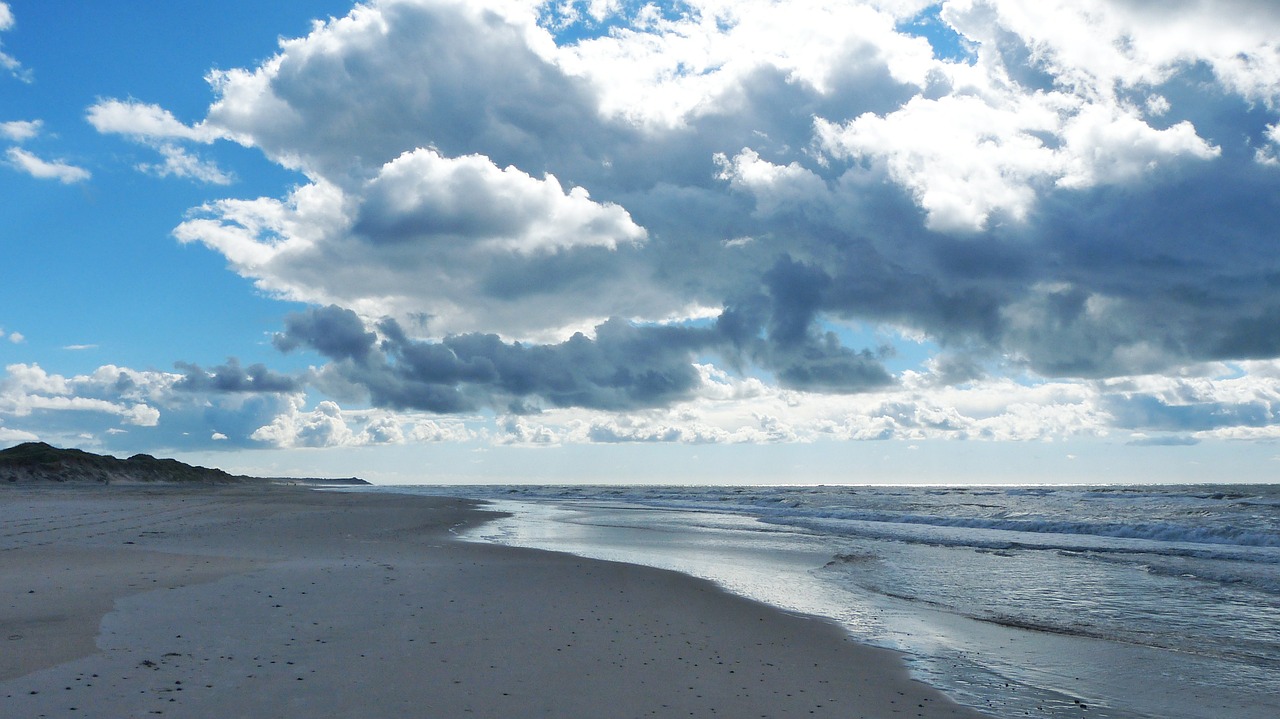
<point x="282" y="602"/>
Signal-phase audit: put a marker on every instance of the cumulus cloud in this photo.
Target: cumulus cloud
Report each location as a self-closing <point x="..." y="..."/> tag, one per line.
<point x="322" y="427"/>
<point x="59" y="170"/>
<point x="28" y="388"/>
<point x="574" y="208"/>
<point x="685" y="428"/>
<point x="966" y="158"/>
<point x="327" y="425"/>
<point x="459" y="239"/>
<point x="432" y="430"/>
<point x="422" y="197"/>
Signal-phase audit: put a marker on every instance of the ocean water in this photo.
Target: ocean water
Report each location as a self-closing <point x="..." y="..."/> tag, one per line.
<point x="1112" y="601"/>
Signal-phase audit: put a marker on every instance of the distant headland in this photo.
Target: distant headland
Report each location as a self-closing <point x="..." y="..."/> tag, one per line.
<point x="38" y="462"/>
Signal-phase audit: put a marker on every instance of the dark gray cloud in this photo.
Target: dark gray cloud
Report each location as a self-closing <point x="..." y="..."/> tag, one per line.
<point x="778" y="329"/>
<point x="624" y="366"/>
<point x="339" y="335"/>
<point x="231" y="377"/>
<point x="1174" y="273"/>
<point x="1094" y="283"/>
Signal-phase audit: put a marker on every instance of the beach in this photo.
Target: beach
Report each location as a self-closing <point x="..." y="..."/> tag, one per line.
<point x="1112" y="602"/>
<point x="257" y="601"/>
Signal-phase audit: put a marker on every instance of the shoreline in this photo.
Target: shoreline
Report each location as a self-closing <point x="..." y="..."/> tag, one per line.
<point x="278" y="601"/>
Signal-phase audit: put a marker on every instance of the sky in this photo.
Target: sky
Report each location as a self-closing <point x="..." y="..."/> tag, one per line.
<point x="888" y="241"/>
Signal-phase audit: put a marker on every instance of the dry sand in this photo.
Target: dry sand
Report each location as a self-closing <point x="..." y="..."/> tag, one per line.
<point x="277" y="602"/>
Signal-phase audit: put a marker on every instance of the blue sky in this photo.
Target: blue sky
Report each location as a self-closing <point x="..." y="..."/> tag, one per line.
<point x="510" y="240"/>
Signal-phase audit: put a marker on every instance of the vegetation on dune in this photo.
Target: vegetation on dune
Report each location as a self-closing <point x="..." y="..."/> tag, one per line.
<point x="38" y="461"/>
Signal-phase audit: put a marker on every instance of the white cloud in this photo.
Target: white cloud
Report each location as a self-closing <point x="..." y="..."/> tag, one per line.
<point x="142" y="415"/>
<point x="666" y="72"/>
<point x="28" y="388"/>
<point x="1106" y="146"/>
<point x="328" y="425"/>
<point x="384" y="430"/>
<point x="732" y="411"/>
<point x="1269" y="154"/>
<point x="1156" y="408"/>
<point x="1264" y="434"/>
<point x="16" y="338"/>
<point x="180" y="163"/>
<point x="425" y="231"/>
<point x="434" y="430"/>
<point x="46" y="170"/>
<point x="523" y="431"/>
<point x="967" y="157"/>
<point x="218" y="437"/>
<point x="421" y="196"/>
<point x="24" y="379"/>
<point x="148" y="122"/>
<point x="156" y="127"/>
<point x="16" y="435"/>
<point x="776" y="188"/>
<point x="995" y="144"/>
<point x="1116" y="43"/>
<point x="962" y="158"/>
<point x="154" y="404"/>
<point x="7" y="61"/>
<point x="20" y="130"/>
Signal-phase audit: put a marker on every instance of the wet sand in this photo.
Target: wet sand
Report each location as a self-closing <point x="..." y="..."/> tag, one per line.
<point x="254" y="601"/>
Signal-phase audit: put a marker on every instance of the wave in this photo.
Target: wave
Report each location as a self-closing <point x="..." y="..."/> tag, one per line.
<point x="1212" y="520"/>
<point x="998" y="541"/>
<point x="1258" y="578"/>
<point x="1161" y="532"/>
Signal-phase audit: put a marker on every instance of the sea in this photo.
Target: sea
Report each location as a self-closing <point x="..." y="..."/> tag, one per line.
<point x="1133" y="602"/>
